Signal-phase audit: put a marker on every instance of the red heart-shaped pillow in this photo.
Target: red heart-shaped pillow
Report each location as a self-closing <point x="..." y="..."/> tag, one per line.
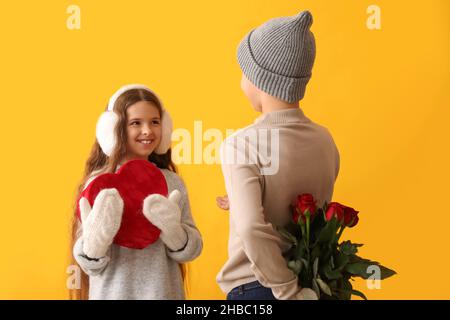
<point x="134" y="180"/>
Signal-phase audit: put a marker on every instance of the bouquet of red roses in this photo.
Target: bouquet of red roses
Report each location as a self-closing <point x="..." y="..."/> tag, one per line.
<point x="318" y="259"/>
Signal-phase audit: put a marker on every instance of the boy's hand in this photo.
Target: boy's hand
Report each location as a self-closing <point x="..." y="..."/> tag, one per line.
<point x="223" y="202"/>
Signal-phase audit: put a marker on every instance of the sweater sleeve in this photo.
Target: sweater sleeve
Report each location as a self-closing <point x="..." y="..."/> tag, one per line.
<point x="259" y="239"/>
<point x="194" y="244"/>
<point x="91" y="267"/>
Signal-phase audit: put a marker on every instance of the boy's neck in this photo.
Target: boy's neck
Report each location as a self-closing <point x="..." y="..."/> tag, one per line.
<point x="271" y="104"/>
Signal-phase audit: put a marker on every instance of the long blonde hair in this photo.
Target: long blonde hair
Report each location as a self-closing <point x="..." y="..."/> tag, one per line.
<point x="99" y="163"/>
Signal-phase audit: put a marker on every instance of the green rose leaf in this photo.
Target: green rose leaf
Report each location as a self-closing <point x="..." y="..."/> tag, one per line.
<point x="286" y="234"/>
<point x="315" y="267"/>
<point x="360" y="268"/>
<point x="296" y="266"/>
<point x="300" y="250"/>
<point x="386" y="272"/>
<point x="316" y="287"/>
<point x="332" y="274"/>
<point x="315" y="253"/>
<point x="305" y="263"/>
<point x="328" y="231"/>
<point x="359" y="294"/>
<point x="349" y="248"/>
<point x="325" y="288"/>
<point x="341" y="261"/>
<point x="347" y="293"/>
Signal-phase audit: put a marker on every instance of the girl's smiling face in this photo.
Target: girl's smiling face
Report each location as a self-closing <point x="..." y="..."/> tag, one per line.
<point x="143" y="130"/>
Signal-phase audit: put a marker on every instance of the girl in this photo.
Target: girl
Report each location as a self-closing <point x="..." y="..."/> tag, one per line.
<point x="135" y="126"/>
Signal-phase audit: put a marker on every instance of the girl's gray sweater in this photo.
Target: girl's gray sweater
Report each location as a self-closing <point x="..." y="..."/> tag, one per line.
<point x="149" y="273"/>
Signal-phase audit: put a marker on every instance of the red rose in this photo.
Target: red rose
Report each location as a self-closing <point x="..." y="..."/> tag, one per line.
<point x="350" y="217"/>
<point x="304" y="201"/>
<point x="335" y="209"/>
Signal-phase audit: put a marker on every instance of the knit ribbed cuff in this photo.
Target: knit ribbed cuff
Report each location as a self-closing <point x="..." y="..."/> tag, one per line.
<point x="288" y="89"/>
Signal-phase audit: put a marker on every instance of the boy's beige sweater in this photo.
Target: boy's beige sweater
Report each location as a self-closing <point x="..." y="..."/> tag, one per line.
<point x="260" y="195"/>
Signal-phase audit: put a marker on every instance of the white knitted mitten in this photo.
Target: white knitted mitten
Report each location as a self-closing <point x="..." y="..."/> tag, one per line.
<point x="165" y="214"/>
<point x="100" y="223"/>
<point x="307" y="294"/>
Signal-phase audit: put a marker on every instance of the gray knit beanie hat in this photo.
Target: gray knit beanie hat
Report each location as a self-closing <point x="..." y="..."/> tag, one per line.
<point x="278" y="56"/>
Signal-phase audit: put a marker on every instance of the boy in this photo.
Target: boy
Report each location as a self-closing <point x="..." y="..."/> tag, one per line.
<point x="276" y="60"/>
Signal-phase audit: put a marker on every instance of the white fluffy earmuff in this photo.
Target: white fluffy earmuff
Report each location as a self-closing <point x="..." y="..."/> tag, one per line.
<point x="108" y="120"/>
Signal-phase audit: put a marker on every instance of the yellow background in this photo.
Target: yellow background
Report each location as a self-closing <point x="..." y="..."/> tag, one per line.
<point x="384" y="95"/>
